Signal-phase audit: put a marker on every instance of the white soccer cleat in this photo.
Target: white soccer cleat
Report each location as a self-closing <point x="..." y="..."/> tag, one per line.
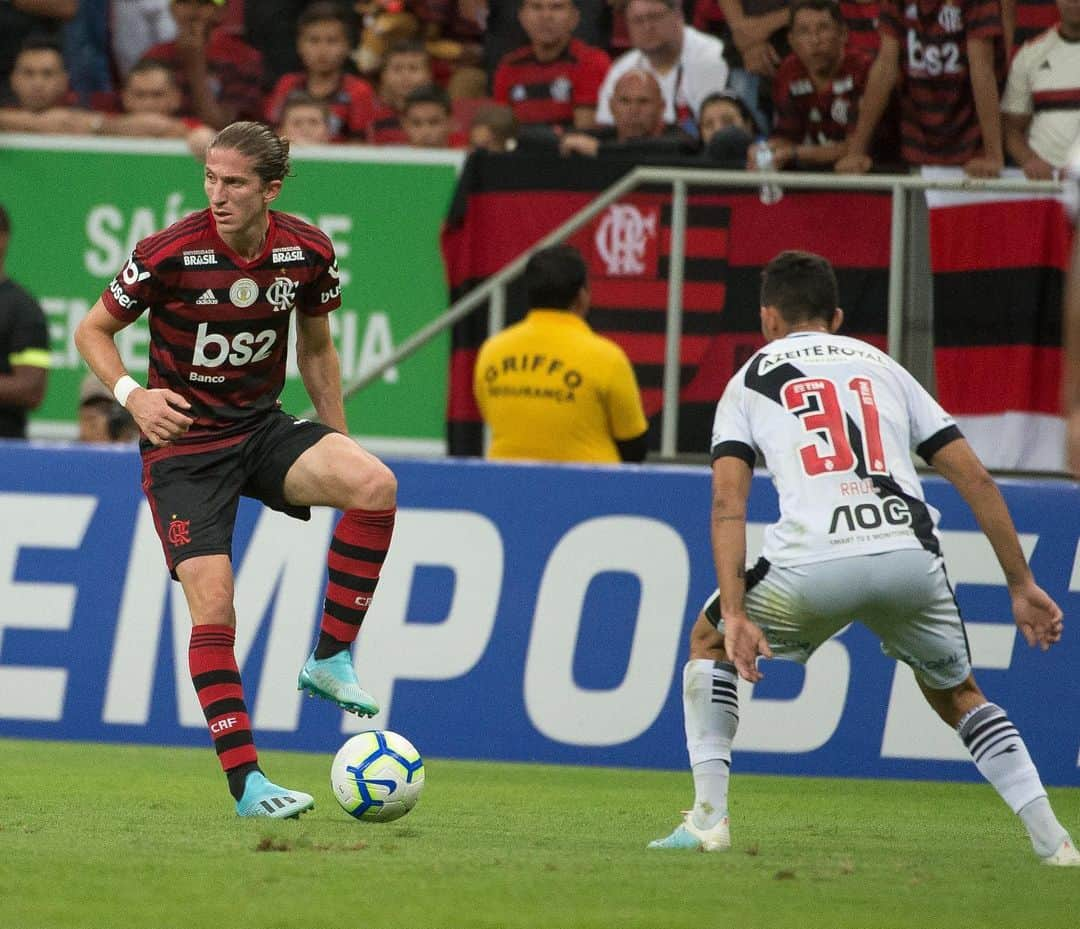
<point x="688" y="836"/>
<point x="1066" y="856"/>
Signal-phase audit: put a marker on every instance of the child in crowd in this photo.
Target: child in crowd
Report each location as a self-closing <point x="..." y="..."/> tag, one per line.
<point x="305" y="121"/>
<point x="428" y="119"/>
<point x="406" y="67"/>
<point x="323" y="43"/>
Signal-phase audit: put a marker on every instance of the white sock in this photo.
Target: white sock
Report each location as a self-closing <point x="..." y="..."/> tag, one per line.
<point x="1003" y="759"/>
<point x="711" y="714"/>
<point x="1042" y="825"/>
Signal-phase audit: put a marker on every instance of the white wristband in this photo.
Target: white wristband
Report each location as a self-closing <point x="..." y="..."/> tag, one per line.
<point x="122" y="389"/>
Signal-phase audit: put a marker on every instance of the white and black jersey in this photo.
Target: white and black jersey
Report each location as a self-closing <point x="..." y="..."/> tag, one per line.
<point x="836" y="421"/>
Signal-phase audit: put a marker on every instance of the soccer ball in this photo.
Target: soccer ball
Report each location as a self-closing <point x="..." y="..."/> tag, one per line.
<point x="377" y="776"/>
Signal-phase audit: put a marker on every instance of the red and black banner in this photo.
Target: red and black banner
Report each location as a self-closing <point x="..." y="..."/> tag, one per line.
<point x="506" y="203"/>
<point x="999" y="271"/>
<point x="999" y="268"/>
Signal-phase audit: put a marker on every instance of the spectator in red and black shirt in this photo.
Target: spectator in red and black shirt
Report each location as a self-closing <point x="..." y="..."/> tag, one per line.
<point x="406" y="67"/>
<point x="816" y="91"/>
<point x="861" y="17"/>
<point x="555" y="79"/>
<point x="323" y="42"/>
<point x="219" y="75"/>
<point x="945" y="57"/>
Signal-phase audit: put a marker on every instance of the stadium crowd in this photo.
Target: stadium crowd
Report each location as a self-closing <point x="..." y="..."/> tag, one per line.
<point x="847" y="84"/>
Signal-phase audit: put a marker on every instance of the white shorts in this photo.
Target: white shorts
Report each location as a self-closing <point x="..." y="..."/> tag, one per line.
<point x="903" y="597"/>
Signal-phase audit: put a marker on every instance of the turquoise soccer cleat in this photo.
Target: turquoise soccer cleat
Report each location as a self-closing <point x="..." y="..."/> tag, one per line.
<point x="334" y="679"/>
<point x="262" y="798"/>
<point x="690" y="837"/>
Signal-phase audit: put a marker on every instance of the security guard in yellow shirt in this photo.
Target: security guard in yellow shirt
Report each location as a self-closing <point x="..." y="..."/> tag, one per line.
<point x="550" y="388"/>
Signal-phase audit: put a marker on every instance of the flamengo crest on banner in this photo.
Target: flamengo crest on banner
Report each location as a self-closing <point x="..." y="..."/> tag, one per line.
<point x="623" y="237"/>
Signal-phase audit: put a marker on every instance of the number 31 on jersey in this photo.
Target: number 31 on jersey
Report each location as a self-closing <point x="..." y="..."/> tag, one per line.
<point x="817" y="404"/>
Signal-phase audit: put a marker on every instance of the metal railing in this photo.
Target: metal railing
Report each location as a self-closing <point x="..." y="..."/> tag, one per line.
<point x="680" y="179"/>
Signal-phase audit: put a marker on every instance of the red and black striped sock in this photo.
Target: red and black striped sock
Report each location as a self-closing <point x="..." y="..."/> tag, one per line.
<point x="221" y="696"/>
<point x="357" y="552"/>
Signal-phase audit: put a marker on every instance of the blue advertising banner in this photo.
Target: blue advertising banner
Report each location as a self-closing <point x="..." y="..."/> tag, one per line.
<point x="526" y="612"/>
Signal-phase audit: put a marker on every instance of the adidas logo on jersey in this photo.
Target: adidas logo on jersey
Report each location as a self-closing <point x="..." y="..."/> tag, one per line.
<point x="206" y="298"/>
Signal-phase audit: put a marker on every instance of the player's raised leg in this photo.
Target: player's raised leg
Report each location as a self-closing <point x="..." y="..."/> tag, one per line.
<point x="208" y="585"/>
<point x="711" y="717"/>
<point x="1002" y="758"/>
<point x="337" y="472"/>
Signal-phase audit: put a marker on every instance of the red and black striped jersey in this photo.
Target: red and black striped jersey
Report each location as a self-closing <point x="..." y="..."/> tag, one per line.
<point x="548" y="91"/>
<point x="235" y="73"/>
<point x="351" y="107"/>
<point x="938" y="123"/>
<point x="386" y="128"/>
<point x="861" y="17"/>
<point x="219" y="325"/>
<point x="807" y="115"/>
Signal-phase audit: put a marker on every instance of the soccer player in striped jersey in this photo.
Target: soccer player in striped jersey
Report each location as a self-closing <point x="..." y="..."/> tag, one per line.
<point x="836" y="420"/>
<point x="220" y="287"/>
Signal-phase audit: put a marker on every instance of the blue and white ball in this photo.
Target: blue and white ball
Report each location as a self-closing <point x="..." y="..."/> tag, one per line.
<point x="377" y="776"/>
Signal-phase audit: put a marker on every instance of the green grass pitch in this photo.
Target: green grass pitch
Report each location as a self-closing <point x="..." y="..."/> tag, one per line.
<point x="123" y="837"/>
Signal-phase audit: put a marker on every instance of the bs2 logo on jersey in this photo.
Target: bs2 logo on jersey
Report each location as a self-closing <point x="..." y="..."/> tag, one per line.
<point x="213" y="350"/>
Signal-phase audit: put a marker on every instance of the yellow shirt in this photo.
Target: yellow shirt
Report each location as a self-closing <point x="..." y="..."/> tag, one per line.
<point x="551" y="389"/>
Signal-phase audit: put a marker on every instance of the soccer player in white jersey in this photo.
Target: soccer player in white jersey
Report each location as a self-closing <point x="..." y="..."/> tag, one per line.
<point x="836" y="420"/>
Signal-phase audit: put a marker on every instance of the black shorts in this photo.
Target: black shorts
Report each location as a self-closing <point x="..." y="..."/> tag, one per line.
<point x="194" y="496"/>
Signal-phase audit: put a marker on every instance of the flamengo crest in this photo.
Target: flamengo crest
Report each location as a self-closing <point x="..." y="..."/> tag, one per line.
<point x="623" y="237"/>
<point x="282" y="294"/>
<point x="950" y="18"/>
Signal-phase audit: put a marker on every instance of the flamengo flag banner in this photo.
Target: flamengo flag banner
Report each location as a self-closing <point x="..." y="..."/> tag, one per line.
<point x="999" y="264"/>
<point x="506" y="203"/>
